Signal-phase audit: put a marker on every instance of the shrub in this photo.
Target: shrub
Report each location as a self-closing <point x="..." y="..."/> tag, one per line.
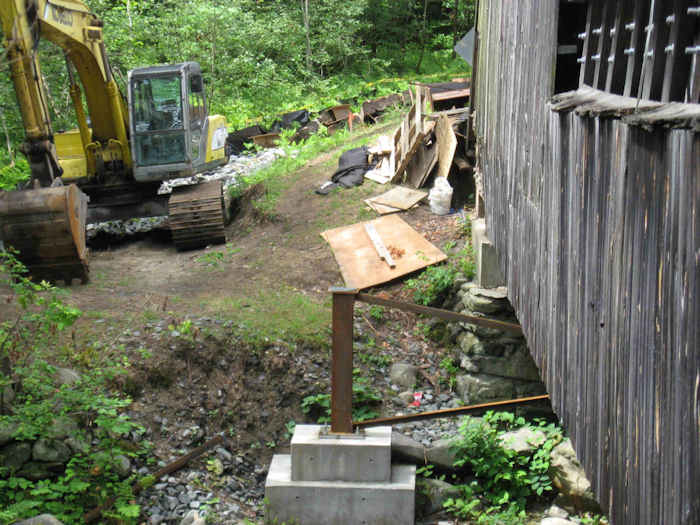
<point x="505" y="480"/>
<point x="90" y="476"/>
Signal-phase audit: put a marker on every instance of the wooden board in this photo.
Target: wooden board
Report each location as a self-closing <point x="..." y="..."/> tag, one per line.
<point x="400" y="197"/>
<point x="381" y="209"/>
<point x="359" y="262"/>
<point x="447" y="145"/>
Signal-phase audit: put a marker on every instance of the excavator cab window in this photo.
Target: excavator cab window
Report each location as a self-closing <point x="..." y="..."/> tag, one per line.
<point x="158" y="120"/>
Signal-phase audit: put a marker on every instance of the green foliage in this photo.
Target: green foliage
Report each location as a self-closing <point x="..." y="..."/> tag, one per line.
<point x="364" y="401"/>
<point x="376" y="312"/>
<point x="431" y="286"/>
<point x="12" y="171"/>
<point x="449" y="366"/>
<point x="90" y="476"/>
<point x="505" y="480"/>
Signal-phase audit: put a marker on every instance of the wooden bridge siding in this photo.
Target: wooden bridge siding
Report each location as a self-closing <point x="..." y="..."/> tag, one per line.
<point x="597" y="229"/>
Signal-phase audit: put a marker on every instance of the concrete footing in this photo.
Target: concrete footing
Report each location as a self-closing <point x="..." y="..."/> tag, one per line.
<point x="488" y="270"/>
<point x="344" y="480"/>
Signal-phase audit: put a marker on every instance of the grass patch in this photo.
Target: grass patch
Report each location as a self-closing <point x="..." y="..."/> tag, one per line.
<point x="283" y="314"/>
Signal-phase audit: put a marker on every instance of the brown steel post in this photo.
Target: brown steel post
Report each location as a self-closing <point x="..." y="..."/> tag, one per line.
<point x="341" y="373"/>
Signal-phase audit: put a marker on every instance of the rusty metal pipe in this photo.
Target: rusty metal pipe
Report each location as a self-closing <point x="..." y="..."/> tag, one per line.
<point x="447" y="412"/>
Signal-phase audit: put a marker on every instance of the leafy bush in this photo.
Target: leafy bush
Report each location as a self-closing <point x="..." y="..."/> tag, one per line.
<point x="431" y="286"/>
<point x="90" y="476"/>
<point x="505" y="480"/>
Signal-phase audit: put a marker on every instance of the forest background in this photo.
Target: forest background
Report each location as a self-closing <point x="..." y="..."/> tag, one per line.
<point x="261" y="57"/>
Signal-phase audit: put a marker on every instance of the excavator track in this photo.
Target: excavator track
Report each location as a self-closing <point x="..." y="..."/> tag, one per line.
<point x="196" y="215"/>
<point x="47" y="227"/>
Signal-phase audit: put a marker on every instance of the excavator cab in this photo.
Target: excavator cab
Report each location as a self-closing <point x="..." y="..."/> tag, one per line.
<point x="172" y="134"/>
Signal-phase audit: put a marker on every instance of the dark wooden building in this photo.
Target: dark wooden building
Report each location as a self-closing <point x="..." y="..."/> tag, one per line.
<point x="586" y="123"/>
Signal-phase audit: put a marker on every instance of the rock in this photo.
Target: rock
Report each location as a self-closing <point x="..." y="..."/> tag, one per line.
<point x="62" y="427"/>
<point x="43" y="519"/>
<point x="406" y="397"/>
<point x="224" y="455"/>
<point x="7" y="430"/>
<point x="407" y="449"/>
<point x="522" y="441"/>
<point x="467" y="341"/>
<point x="440" y="455"/>
<point x="122" y="466"/>
<point x="516" y="364"/>
<point x="78" y="444"/>
<point x="37" y="470"/>
<point x="474" y="389"/>
<point x="469" y="365"/>
<point x="556" y="521"/>
<point x="570" y="479"/>
<point x="7" y="396"/>
<point x="556" y="512"/>
<point x="403" y="374"/>
<point x="66" y="376"/>
<point x="51" y="451"/>
<point x="192" y="518"/>
<point x="434" y="493"/>
<point x="16" y="454"/>
<point x="482" y="304"/>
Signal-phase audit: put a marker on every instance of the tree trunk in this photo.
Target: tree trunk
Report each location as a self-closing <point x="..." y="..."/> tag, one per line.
<point x="423" y="35"/>
<point x="307" y="31"/>
<point x="455" y="18"/>
<point x="128" y="13"/>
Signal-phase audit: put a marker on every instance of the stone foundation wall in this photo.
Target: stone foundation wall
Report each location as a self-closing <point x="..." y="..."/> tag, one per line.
<point x="493" y="365"/>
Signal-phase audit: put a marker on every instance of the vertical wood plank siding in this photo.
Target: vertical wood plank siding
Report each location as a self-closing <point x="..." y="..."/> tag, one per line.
<point x="596" y="224"/>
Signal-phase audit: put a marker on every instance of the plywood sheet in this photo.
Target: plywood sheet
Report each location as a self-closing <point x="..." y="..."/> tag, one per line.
<point x="359" y="262"/>
<point x="400" y="197"/>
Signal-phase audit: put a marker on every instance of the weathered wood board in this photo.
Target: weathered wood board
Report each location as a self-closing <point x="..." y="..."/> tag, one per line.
<point x="400" y="197"/>
<point x="447" y="145"/>
<point x="361" y="266"/>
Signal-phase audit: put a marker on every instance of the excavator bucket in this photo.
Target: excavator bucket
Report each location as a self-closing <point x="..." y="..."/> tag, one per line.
<point x="47" y="227"/>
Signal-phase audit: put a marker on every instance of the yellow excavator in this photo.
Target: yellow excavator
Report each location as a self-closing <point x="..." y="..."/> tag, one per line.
<point x="112" y="165"/>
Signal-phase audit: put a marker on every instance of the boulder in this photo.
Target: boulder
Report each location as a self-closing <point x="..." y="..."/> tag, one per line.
<point x="51" y="451"/>
<point x="570" y="480"/>
<point x="556" y="512"/>
<point x="440" y="455"/>
<point x="431" y="494"/>
<point x="62" y="427"/>
<point x="122" y="466"/>
<point x="407" y="449"/>
<point x="403" y="374"/>
<point x="7" y="430"/>
<point x="38" y="470"/>
<point x="517" y="364"/>
<point x="43" y="519"/>
<point x="474" y="389"/>
<point x="482" y="304"/>
<point x="66" y="376"/>
<point x="7" y="396"/>
<point x="15" y="454"/>
<point x="522" y="441"/>
<point x="78" y="444"/>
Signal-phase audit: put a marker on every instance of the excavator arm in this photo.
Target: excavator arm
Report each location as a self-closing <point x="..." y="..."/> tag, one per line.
<point x="47" y="223"/>
<point x="72" y="27"/>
